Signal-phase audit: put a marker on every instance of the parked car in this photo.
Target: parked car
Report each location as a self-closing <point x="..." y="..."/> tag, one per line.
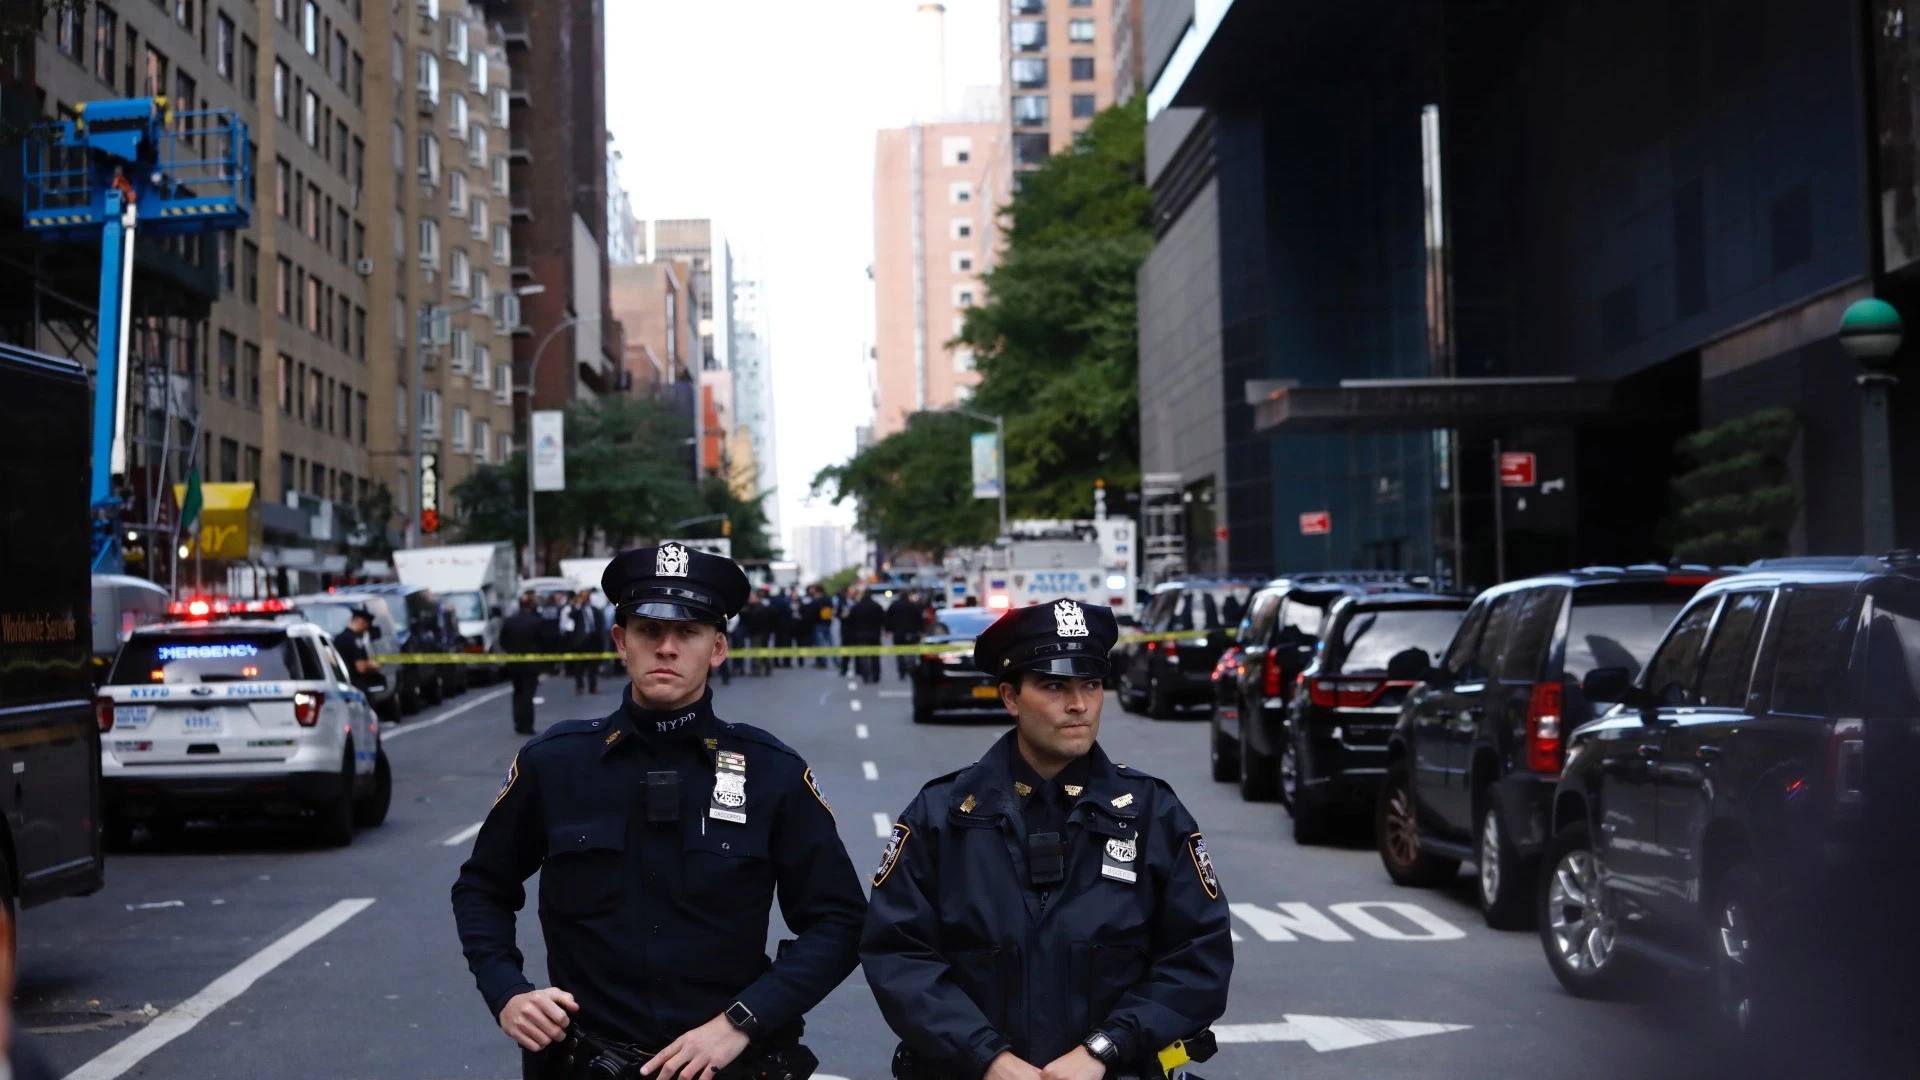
<point x="238" y="716"/>
<point x="1160" y="677"/>
<point x="949" y="684"/>
<point x="1373" y="650"/>
<point x="1475" y="753"/>
<point x="122" y="604"/>
<point x="396" y="693"/>
<point x="1752" y="794"/>
<point x="1276" y="638"/>
<point x="424" y="618"/>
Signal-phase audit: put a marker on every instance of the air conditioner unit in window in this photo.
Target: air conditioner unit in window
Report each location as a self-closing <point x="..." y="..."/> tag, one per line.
<point x="429" y="102"/>
<point x="364" y="267"/>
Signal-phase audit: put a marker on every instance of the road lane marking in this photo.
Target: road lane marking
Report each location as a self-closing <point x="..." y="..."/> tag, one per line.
<point x="896" y="693"/>
<point x="408" y="729"/>
<point x="882" y="825"/>
<point x="1431" y="927"/>
<point x="871" y="770"/>
<point x="855" y="703"/>
<point x="463" y="835"/>
<point x="853" y="684"/>
<point x="859" y="731"/>
<point x="1293" y="921"/>
<point x="183" y="1017"/>
<point x="1326" y="1033"/>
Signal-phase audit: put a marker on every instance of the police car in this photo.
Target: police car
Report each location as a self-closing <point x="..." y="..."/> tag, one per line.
<point x="238" y="709"/>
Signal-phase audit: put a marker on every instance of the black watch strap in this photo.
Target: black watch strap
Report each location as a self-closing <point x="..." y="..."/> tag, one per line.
<point x="743" y="1020"/>
<point x="1101" y="1046"/>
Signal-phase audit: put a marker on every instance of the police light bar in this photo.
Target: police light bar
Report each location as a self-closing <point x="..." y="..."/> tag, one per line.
<point x="999" y="602"/>
<point x="204" y="608"/>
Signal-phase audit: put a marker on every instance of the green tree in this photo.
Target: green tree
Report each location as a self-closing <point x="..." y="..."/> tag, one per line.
<point x="1739" y="501"/>
<point x="1057" y="352"/>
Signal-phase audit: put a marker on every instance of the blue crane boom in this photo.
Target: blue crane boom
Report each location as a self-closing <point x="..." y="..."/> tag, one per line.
<point x="118" y="168"/>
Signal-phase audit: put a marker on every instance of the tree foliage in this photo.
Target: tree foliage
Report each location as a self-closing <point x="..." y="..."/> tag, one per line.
<point x="628" y="480"/>
<point x="1057" y="350"/>
<point x="1739" y="501"/>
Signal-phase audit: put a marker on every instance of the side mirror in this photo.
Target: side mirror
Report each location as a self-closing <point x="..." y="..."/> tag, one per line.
<point x="1608" y="684"/>
<point x="1409" y="665"/>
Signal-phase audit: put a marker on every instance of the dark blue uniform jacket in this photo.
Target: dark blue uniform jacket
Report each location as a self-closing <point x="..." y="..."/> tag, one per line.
<point x="968" y="959"/>
<point x="657" y="928"/>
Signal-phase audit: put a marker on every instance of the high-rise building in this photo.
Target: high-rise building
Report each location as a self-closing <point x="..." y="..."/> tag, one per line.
<point x="441" y="252"/>
<point x="1061" y="61"/>
<point x="704" y="250"/>
<point x="754" y="468"/>
<point x="821" y="550"/>
<point x="623" y="232"/>
<point x="659" y="323"/>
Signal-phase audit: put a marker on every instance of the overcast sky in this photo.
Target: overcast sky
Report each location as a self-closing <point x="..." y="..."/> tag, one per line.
<point x="761" y="114"/>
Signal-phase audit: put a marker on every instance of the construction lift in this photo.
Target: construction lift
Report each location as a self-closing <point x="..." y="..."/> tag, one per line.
<point x="121" y="168"/>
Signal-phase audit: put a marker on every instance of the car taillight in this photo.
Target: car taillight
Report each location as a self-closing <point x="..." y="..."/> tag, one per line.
<point x="103" y="713"/>
<point x="1270" y="676"/>
<point x="1847" y="767"/>
<point x="1334" y="692"/>
<point x="1545" y="745"/>
<point x="306" y="707"/>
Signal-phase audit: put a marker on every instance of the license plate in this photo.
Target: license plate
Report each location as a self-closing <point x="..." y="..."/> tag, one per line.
<point x="130" y="716"/>
<point x="986" y="691"/>
<point x="206" y="723"/>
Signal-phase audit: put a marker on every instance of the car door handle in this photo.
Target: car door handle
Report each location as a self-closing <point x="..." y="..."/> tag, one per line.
<point x="1649" y="749"/>
<point x="1707" y="752"/>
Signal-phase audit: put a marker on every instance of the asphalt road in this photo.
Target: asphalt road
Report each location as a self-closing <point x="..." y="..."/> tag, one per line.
<point x="248" y="953"/>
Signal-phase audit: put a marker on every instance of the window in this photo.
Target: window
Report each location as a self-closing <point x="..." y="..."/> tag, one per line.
<point x="482" y="367"/>
<point x="963" y="262"/>
<point x="1029" y="36"/>
<point x="360" y="400"/>
<point x="429" y="150"/>
<point x="67" y="31"/>
<point x="1084" y="106"/>
<point x="457" y="115"/>
<point x="310" y="27"/>
<point x="282" y="86"/>
<point x="337" y="62"/>
<point x="1081" y="68"/>
<point x="482" y="441"/>
<point x="1493" y="641"/>
<point x="428" y="77"/>
<point x="250" y="466"/>
<point x="1030" y="110"/>
<point x="316" y="399"/>
<point x="456" y="192"/>
<point x="459" y="429"/>
<point x="286" y="384"/>
<point x="1675" y="667"/>
<point x="285" y="303"/>
<point x="346" y="325"/>
<point x="503" y="394"/>
<point x="476" y="144"/>
<point x="482" y="288"/>
<point x="359" y="163"/>
<point x="346" y="154"/>
<point x="963" y="295"/>
<point x="1810" y="663"/>
<point x="130" y="73"/>
<point x="502" y="245"/>
<point x="963" y="360"/>
<point x="360" y="332"/>
<point x="229" y="273"/>
<point x="346" y="412"/>
<point x="400" y="408"/>
<point x="458" y="270"/>
<point x="959" y="191"/>
<point x="310" y="117"/>
<point x="457" y="39"/>
<point x="499" y="175"/>
<point x="477" y="72"/>
<point x="229" y="461"/>
<point x="956" y="150"/>
<point x="249" y="69"/>
<point x="340" y="231"/>
<point x="106" y="33"/>
<point x="223" y="32"/>
<point x="314" y="307"/>
<point x="960" y="228"/>
<point x="156" y="78"/>
<point x="1029" y="73"/>
<point x="399" y="235"/>
<point x="429" y="414"/>
<point x="359" y="78"/>
<point x="460" y="350"/>
<point x="477" y="215"/>
<point x="229" y="365"/>
<point x="286" y="475"/>
<point x="502" y="110"/>
<point x="506" y="446"/>
<point x="250" y="271"/>
<point x="1031" y="148"/>
<point x="1080" y="30"/>
<point x="311" y="213"/>
<point x="1729" y="667"/>
<point x="250" y="375"/>
<point x="430" y="243"/>
<point x="1029" y="7"/>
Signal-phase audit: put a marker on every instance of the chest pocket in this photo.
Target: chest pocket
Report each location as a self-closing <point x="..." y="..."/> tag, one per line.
<point x="723" y="858"/>
<point x="584" y="872"/>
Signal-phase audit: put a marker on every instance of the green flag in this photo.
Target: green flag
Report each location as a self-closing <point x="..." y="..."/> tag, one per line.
<point x="190" y="505"/>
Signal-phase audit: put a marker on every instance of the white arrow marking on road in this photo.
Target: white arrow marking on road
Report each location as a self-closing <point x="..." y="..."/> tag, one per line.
<point x="881" y="826"/>
<point x="859" y="731"/>
<point x="183" y="1017"/>
<point x="463" y="835"/>
<point x="1325" y="1033"/>
<point x="855" y="703"/>
<point x="871" y="770"/>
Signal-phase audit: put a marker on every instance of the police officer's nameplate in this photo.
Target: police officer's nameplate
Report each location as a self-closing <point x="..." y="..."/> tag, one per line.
<point x="729" y="787"/>
<point x="1116" y="860"/>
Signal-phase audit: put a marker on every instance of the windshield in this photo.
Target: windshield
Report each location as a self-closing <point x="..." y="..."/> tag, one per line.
<point x="1371" y="639"/>
<point x="467" y="606"/>
<point x="964" y="622"/>
<point x="329" y="617"/>
<point x="204" y="658"/>
<point x="1620" y="635"/>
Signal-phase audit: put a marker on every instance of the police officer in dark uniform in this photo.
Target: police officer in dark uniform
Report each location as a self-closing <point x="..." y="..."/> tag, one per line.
<point x="661" y="834"/>
<point x="352" y="645"/>
<point x="1045" y="911"/>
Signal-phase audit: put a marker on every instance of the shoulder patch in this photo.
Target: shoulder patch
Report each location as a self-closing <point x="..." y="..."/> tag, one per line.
<point x="513" y="773"/>
<point x="890" y="856"/>
<point x="814" y="786"/>
<point x="1203" y="865"/>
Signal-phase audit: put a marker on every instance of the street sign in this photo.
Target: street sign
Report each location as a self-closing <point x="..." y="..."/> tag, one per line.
<point x="1316" y="523"/>
<point x="986" y="465"/>
<point x="429" y="493"/>
<point x="1518" y="470"/>
<point x="549" y="450"/>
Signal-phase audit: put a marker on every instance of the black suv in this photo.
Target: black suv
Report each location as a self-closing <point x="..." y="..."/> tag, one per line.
<point x="1275" y="642"/>
<point x="1373" y="650"/>
<point x="1161" y="676"/>
<point x="1472" y="761"/>
<point x="1751" y="795"/>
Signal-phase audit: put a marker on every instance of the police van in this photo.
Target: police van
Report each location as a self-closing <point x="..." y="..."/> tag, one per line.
<point x="238" y="711"/>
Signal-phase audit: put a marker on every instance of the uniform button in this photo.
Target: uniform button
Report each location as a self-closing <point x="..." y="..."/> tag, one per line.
<point x="726" y="847"/>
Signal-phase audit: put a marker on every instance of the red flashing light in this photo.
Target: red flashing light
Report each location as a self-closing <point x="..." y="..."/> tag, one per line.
<point x="199" y="608"/>
<point x="103" y="713"/>
<point x="306" y="707"/>
<point x="1545" y="750"/>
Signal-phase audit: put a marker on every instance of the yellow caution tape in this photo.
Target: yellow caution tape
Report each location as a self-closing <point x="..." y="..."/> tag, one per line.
<point x="795" y="652"/>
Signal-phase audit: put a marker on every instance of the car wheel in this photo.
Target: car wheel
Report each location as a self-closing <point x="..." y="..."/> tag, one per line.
<point x="409" y="699"/>
<point x="1396" y="831"/>
<point x="371" y="809"/>
<point x="1504" y="877"/>
<point x="390" y="710"/>
<point x="1577" y="927"/>
<point x="1738" y="954"/>
<point x="334" y="821"/>
<point x="1224" y="756"/>
<point x="1159" y="705"/>
<point x="1128" y="702"/>
<point x="116" y="833"/>
<point x="435" y="691"/>
<point x="1258" y="775"/>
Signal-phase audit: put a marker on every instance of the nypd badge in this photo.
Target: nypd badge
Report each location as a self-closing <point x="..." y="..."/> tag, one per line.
<point x="1116" y="860"/>
<point x="1203" y="865"/>
<point x="890" y="857"/>
<point x="1122" y="850"/>
<point x="1069" y="620"/>
<point x="670" y="561"/>
<point x="729" y="787"/>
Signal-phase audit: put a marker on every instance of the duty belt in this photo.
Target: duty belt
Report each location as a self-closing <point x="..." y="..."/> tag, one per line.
<point x="580" y="1055"/>
<point x="1169" y="1064"/>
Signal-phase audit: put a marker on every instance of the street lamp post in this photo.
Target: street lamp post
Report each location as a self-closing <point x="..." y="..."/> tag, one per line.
<point x="1000" y="438"/>
<point x="428" y="314"/>
<point x="1871" y="332"/>
<point x="533" y="374"/>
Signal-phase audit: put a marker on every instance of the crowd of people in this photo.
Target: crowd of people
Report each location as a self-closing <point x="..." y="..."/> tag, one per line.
<point x="792" y="617"/>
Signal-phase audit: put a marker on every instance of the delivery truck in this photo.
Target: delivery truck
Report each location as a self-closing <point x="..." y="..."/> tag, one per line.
<point x="478" y="581"/>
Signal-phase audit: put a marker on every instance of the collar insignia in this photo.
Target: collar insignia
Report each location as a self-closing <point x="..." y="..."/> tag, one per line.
<point x="1023" y="789"/>
<point x="967" y="804"/>
<point x="1121" y="802"/>
<point x="612" y="736"/>
<point x="1073" y="790"/>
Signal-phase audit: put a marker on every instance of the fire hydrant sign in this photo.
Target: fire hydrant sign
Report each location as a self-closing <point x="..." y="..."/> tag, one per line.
<point x="1316" y="523"/>
<point x="1518" y="470"/>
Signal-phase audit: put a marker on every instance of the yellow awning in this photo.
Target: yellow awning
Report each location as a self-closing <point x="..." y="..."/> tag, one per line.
<point x="229" y="521"/>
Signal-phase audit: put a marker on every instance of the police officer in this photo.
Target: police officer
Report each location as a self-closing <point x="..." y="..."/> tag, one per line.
<point x="351" y="643"/>
<point x="525" y="633"/>
<point x="1103" y="939"/>
<point x="661" y="834"/>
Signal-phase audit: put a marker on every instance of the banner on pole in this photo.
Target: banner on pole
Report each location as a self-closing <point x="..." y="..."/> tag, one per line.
<point x="986" y="465"/>
<point x="549" y="450"/>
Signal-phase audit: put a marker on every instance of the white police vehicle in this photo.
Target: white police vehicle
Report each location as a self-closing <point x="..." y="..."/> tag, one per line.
<point x="224" y="715"/>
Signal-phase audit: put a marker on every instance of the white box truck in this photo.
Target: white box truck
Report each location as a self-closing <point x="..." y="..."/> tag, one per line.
<point x="478" y="581"/>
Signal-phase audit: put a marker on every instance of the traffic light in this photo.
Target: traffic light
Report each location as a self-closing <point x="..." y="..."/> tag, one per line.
<point x="726" y="526"/>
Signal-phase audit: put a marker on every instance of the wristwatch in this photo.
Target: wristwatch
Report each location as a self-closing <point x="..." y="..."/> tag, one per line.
<point x="742" y="1019"/>
<point x="1102" y="1047"/>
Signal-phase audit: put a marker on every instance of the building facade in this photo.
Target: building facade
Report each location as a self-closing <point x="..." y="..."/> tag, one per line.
<point x="754" y="457"/>
<point x="659" y="323"/>
<point x="1061" y="71"/>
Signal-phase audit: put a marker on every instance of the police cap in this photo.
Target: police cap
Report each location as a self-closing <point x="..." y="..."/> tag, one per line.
<point x="1058" y="638"/>
<point x="676" y="583"/>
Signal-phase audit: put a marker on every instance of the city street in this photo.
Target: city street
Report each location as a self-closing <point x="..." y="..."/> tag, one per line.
<point x="258" y="955"/>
